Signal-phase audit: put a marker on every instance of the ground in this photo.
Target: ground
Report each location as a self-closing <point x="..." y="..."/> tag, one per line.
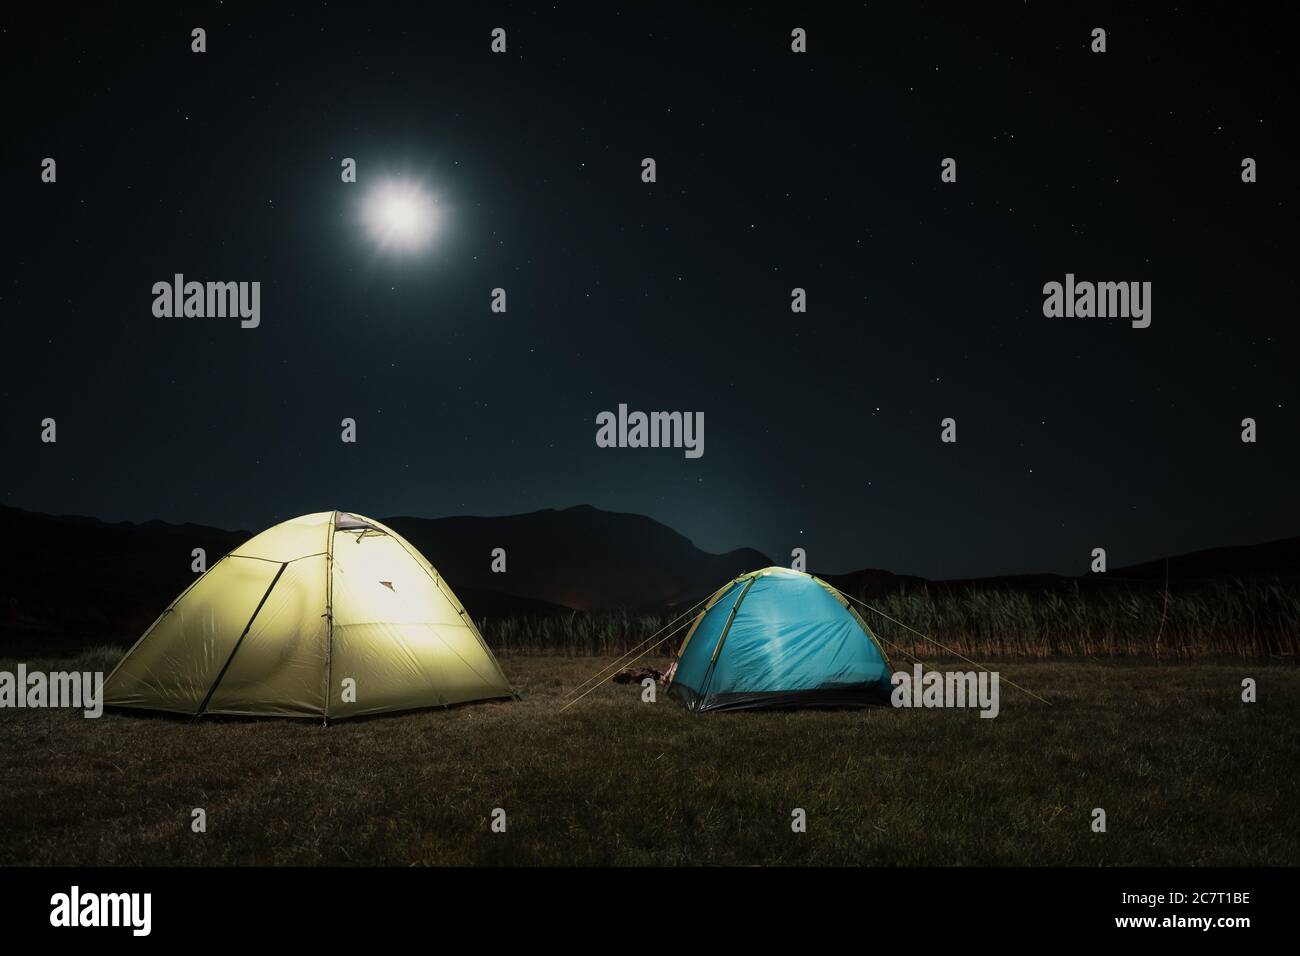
<point x="1186" y="772"/>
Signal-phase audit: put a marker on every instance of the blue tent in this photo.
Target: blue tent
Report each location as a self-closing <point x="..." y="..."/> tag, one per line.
<point x="779" y="638"/>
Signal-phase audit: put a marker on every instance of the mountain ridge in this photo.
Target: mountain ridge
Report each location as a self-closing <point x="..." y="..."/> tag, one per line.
<point x="85" y="576"/>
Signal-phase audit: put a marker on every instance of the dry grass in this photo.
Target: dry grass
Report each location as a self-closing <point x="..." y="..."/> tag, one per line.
<point x="1186" y="772"/>
<point x="1249" y="620"/>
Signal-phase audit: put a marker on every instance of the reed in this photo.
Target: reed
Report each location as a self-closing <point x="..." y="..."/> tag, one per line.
<point x="1237" y="618"/>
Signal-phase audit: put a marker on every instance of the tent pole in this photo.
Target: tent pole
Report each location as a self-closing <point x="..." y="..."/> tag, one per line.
<point x="708" y="675"/>
<point x="329" y="620"/>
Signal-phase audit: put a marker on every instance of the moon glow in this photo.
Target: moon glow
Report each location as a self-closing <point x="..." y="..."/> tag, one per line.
<point x="400" y="215"/>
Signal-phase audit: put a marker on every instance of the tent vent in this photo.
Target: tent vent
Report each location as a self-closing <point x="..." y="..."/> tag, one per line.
<point x="346" y="522"/>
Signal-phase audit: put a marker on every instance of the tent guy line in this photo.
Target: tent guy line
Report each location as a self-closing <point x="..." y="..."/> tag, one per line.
<point x="623" y="658"/>
<point x="947" y="649"/>
<point x="628" y="663"/>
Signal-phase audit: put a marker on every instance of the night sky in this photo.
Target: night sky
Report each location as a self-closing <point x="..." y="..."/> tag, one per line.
<point x="775" y="170"/>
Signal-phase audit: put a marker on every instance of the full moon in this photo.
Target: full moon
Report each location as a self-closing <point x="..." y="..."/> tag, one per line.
<point x="400" y="215"/>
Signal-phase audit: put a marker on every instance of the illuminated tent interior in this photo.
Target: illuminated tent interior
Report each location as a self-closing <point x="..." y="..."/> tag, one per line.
<point x="330" y="615"/>
<point x="779" y="638"/>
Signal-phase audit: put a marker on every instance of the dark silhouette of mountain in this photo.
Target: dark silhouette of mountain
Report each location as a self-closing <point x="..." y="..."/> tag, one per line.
<point x="872" y="582"/>
<point x="1271" y="561"/>
<point x="580" y="557"/>
<point x="71" y="580"/>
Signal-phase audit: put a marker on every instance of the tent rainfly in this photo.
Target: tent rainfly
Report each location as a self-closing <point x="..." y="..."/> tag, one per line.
<point x="779" y="638"/>
<point x="330" y="615"/>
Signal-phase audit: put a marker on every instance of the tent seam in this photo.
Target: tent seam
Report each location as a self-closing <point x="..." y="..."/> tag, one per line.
<point x="239" y="643"/>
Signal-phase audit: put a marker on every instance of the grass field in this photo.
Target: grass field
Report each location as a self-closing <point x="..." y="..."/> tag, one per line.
<point x="1187" y="774"/>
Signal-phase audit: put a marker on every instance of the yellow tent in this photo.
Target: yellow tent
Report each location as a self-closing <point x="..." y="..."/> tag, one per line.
<point x="330" y="615"/>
